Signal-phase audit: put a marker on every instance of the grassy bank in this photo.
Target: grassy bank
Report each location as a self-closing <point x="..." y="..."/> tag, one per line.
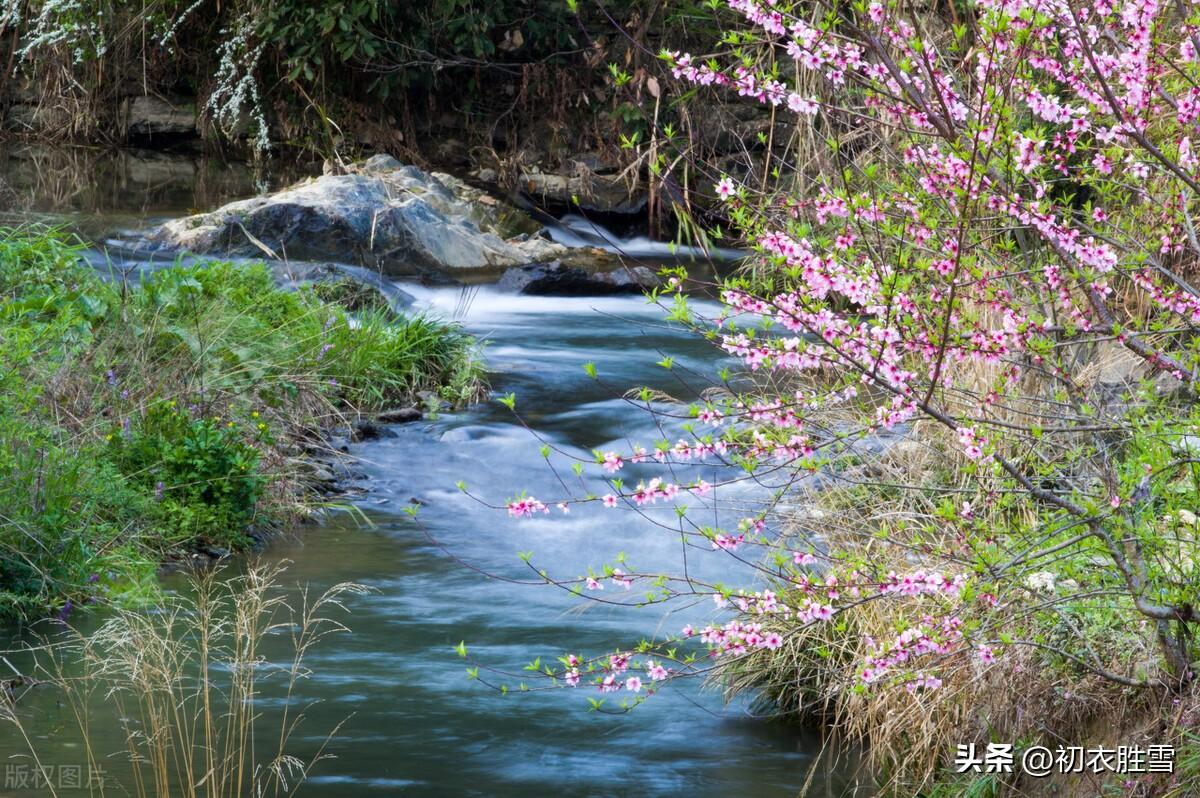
<point x="138" y="420"/>
<point x="1062" y="665"/>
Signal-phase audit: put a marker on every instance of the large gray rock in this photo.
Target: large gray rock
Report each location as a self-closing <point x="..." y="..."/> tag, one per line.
<point x="395" y="218"/>
<point x="148" y="116"/>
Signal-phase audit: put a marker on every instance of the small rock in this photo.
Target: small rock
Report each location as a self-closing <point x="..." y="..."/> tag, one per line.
<point x="380" y="163"/>
<point x="1186" y="446"/>
<point x="558" y="279"/>
<point x="320" y="474"/>
<point x="366" y="430"/>
<point x="633" y="279"/>
<point x="433" y="401"/>
<point x="588" y="191"/>
<point x="402" y="415"/>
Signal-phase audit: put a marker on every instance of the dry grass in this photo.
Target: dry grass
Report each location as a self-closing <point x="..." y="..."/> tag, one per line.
<point x="185" y="682"/>
<point x="907" y="737"/>
<point x="883" y="509"/>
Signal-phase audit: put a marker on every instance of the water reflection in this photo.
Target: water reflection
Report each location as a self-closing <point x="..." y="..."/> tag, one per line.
<point x="97" y="189"/>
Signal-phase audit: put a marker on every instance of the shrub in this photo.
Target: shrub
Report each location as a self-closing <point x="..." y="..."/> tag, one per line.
<point x="283" y="71"/>
<point x="71" y="529"/>
<point x="204" y="475"/>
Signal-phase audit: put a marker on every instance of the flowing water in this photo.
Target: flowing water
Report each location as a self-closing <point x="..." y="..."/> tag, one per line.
<point x="417" y="725"/>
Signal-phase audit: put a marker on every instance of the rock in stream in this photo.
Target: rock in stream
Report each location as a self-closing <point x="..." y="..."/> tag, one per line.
<point x="382" y="215"/>
<point x="560" y="279"/>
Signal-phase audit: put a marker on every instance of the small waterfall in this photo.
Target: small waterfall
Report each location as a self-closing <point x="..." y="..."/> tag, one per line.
<point x="575" y="230"/>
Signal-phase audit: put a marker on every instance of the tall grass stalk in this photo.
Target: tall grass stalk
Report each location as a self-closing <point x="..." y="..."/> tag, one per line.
<point x="185" y="682"/>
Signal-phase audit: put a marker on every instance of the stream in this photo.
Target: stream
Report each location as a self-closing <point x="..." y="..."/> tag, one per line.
<point x="415" y="723"/>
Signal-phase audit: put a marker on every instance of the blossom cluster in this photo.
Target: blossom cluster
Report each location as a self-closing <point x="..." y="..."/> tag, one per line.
<point x="931" y="637"/>
<point x="612" y="676"/>
<point x="736" y="638"/>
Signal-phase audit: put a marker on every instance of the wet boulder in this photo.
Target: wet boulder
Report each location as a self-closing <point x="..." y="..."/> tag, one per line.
<point x="400" y="415"/>
<point x="559" y="279"/>
<point x="397" y="219"/>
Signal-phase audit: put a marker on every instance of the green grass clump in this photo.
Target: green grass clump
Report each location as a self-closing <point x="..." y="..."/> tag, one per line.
<point x="140" y="418"/>
<point x="203" y="473"/>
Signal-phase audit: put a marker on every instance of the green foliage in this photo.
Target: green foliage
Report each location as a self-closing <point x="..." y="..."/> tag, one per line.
<point x="135" y="419"/>
<point x="66" y="517"/>
<point x="375" y="361"/>
<point x="310" y="35"/>
<point x="302" y="68"/>
<point x="69" y="529"/>
<point x="203" y="473"/>
<point x="229" y="328"/>
<point x="1188" y="766"/>
<point x="36" y="262"/>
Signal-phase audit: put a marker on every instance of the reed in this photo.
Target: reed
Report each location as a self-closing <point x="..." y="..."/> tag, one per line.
<point x="186" y="682"/>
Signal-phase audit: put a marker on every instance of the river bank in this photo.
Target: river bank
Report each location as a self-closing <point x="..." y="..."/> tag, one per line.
<point x="178" y="415"/>
<point x="208" y="335"/>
